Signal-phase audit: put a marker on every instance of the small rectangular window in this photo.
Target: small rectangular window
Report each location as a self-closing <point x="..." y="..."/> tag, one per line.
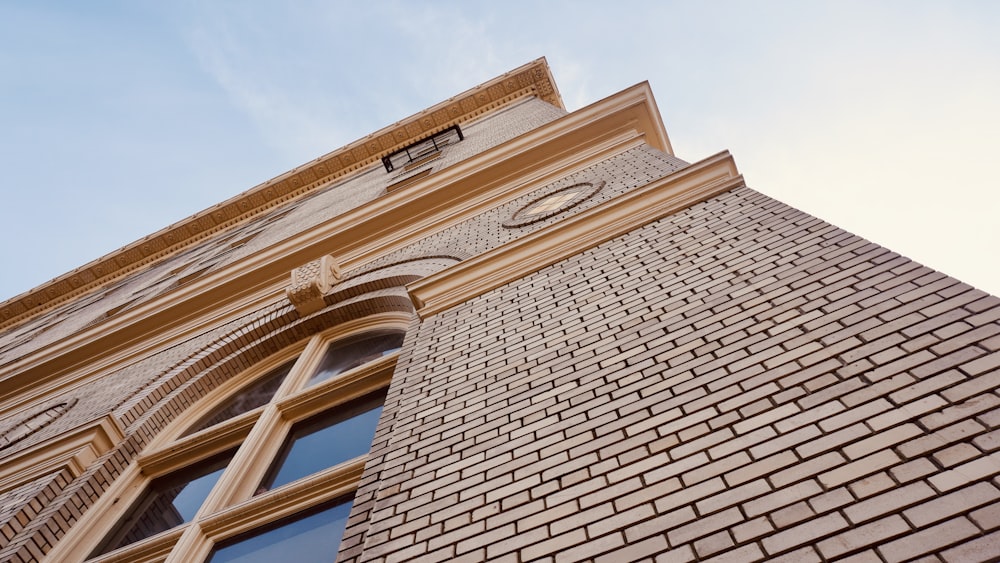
<point x="423" y="149"/>
<point x="408" y="180"/>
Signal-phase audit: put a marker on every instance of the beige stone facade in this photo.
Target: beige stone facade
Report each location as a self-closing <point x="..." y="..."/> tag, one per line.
<point x="607" y="354"/>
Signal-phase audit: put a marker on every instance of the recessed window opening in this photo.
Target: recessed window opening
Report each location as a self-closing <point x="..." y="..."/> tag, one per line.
<point x="336" y="436"/>
<point x="420" y="162"/>
<point x="411" y="179"/>
<point x="118" y="309"/>
<point x="168" y="502"/>
<point x="314" y="537"/>
<point x="193" y="275"/>
<point x="242" y="241"/>
<point x="422" y="148"/>
<point x="349" y="353"/>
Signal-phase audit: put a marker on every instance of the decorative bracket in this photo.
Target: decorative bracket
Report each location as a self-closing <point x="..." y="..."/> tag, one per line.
<point x="311" y="282"/>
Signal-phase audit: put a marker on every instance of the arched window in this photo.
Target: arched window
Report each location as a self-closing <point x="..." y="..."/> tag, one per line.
<point x="254" y="395"/>
<point x="277" y="459"/>
<point x="349" y="353"/>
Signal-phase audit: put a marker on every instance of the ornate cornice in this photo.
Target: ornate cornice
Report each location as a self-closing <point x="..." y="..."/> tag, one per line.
<point x="532" y="79"/>
<point x="389" y="223"/>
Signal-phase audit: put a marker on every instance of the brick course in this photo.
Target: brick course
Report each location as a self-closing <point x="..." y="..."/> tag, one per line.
<point x="798" y="381"/>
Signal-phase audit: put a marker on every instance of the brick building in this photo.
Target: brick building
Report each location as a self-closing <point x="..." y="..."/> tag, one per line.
<point x="500" y="331"/>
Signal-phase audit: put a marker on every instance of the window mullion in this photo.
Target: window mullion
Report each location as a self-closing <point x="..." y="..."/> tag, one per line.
<point x="304" y="366"/>
<point x="348" y="382"/>
<point x="237" y="483"/>
<point x="250" y="463"/>
<point x="192" y="546"/>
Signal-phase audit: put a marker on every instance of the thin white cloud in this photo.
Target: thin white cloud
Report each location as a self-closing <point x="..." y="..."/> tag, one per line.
<point x="234" y="54"/>
<point x="880" y="117"/>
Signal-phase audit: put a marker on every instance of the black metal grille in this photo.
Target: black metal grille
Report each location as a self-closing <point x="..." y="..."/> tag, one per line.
<point x="422" y="148"/>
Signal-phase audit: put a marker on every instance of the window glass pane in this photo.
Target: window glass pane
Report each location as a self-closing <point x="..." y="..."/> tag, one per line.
<point x="314" y="538"/>
<point x="169" y="501"/>
<point x="350" y="353"/>
<point x="245" y="400"/>
<point x="344" y="433"/>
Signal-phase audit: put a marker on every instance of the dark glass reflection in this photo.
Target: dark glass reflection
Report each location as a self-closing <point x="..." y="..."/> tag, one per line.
<point x="314" y="538"/>
<point x="350" y="353"/>
<point x="247" y="399"/>
<point x="169" y="501"/>
<point x="344" y="433"/>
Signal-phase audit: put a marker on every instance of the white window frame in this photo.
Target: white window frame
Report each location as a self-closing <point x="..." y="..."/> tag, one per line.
<point x="232" y="509"/>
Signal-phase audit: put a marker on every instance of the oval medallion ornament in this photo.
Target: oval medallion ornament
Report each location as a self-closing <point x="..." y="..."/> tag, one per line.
<point x="553" y="203"/>
<point x="33" y="423"/>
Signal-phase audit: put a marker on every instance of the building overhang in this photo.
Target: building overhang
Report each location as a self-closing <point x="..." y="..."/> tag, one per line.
<point x="397" y="219"/>
<point x="532" y="79"/>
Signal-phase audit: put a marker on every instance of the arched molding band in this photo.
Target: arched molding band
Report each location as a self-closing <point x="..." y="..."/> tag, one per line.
<point x="182" y="386"/>
<point x="397" y="274"/>
<point x="247" y="346"/>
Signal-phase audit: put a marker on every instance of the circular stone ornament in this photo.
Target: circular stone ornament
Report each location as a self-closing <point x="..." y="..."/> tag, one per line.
<point x="553" y="203"/>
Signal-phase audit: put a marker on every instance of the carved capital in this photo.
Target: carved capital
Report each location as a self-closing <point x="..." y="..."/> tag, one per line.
<point x="311" y="282"/>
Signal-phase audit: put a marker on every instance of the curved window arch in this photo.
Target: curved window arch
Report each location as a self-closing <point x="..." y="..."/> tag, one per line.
<point x="246" y="399"/>
<point x="348" y="353"/>
<point x="298" y="406"/>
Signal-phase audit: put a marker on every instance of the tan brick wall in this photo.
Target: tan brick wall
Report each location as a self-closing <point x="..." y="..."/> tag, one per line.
<point x="148" y="394"/>
<point x="737" y="382"/>
<point x="21" y="505"/>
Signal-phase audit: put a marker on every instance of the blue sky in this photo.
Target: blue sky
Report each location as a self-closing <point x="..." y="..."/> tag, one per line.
<point x="119" y="118"/>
